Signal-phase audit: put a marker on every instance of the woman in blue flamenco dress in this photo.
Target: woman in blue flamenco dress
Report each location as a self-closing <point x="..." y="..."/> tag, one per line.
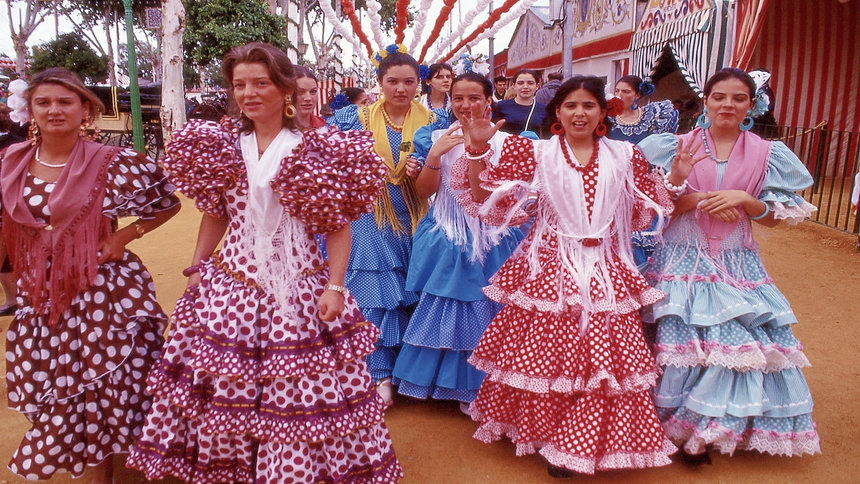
<point x="382" y="240"/>
<point x="454" y="255"/>
<point x="732" y="366"/>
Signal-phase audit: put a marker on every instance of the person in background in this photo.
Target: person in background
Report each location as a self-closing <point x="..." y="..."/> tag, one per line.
<point x="306" y="97"/>
<point x="437" y="86"/>
<point x="545" y="94"/>
<point x="7" y="278"/>
<point x="523" y="115"/>
<point x="639" y="118"/>
<point x="500" y="88"/>
<point x="356" y="95"/>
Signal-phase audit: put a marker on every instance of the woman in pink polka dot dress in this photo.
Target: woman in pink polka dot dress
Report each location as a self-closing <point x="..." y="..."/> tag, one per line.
<point x="568" y="370"/>
<point x="88" y="325"/>
<point x="263" y="378"/>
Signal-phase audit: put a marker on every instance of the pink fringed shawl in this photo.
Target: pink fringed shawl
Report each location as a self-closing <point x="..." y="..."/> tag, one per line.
<point x="72" y="238"/>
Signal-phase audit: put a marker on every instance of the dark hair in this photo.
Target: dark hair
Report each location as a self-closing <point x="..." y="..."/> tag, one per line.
<point x="280" y="71"/>
<point x="632" y="81"/>
<point x="593" y="84"/>
<point x="731" y="73"/>
<point x="69" y="80"/>
<point x="500" y="78"/>
<point x="435" y="68"/>
<point x="485" y="83"/>
<point x="555" y="76"/>
<point x="530" y="72"/>
<point x="302" y="72"/>
<point x="353" y="93"/>
<point x="396" y="59"/>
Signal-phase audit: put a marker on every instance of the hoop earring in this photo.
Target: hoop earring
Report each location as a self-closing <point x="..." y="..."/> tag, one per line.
<point x="704" y="121"/>
<point x="556" y="128"/>
<point x="289" y="109"/>
<point x="33" y="130"/>
<point x="747" y="122"/>
<point x="86" y="126"/>
<point x="635" y="105"/>
<point x="601" y="129"/>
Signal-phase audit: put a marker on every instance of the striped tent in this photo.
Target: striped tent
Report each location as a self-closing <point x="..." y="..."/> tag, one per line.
<point x="696" y="36"/>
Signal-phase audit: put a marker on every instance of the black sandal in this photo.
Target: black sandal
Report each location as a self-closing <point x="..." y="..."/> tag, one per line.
<point x="696" y="460"/>
<point x="558" y="472"/>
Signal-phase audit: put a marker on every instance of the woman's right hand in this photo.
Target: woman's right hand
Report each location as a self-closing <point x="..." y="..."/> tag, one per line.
<point x="479" y="131"/>
<point x="445" y="142"/>
<point x="685" y="160"/>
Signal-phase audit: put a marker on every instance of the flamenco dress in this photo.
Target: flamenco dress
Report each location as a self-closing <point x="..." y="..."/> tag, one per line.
<point x="568" y="370"/>
<point x="453" y="256"/>
<point x="379" y="260"/>
<point x="80" y="382"/>
<point x="732" y="365"/>
<point x="253" y="386"/>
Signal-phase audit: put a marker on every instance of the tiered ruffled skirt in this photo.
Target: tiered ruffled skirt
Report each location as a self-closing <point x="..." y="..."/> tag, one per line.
<point x="245" y="394"/>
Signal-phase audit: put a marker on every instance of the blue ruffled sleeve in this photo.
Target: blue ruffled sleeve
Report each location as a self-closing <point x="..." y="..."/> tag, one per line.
<point x="346" y="118"/>
<point x="665" y="118"/>
<point x="659" y="149"/>
<point x="785" y="175"/>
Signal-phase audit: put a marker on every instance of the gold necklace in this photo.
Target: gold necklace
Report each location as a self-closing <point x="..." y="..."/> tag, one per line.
<point x="389" y="122"/>
<point x="622" y="122"/>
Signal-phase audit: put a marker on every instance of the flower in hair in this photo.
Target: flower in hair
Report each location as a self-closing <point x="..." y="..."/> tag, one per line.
<point x="338" y="102"/>
<point x="423" y="72"/>
<point x="761" y="104"/>
<point x="646" y="88"/>
<point x="17" y="103"/>
<point x="614" y="107"/>
<point x="391" y="49"/>
<point x="476" y="64"/>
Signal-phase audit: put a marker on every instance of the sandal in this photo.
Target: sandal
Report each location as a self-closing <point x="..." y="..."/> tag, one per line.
<point x="8" y="310"/>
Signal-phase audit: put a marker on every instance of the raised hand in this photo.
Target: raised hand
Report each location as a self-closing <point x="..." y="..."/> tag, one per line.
<point x="685" y="159"/>
<point x="479" y="131"/>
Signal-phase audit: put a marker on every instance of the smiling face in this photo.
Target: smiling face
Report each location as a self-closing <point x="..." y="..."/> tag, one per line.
<point x="257" y="95"/>
<point x="58" y="110"/>
<point x="626" y="93"/>
<point x="399" y="84"/>
<point x="579" y="114"/>
<point x="441" y="82"/>
<point x="728" y="103"/>
<point x="525" y="86"/>
<point x="306" y="97"/>
<point x="468" y="100"/>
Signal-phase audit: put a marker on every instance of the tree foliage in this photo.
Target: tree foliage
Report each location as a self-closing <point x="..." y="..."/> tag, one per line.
<point x="215" y="26"/>
<point x="388" y="13"/>
<point x="72" y="52"/>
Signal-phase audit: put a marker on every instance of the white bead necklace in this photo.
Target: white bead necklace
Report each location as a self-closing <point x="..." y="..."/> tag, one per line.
<point x="46" y="164"/>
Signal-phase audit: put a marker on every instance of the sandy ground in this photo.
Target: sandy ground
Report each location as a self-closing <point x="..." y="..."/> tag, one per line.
<point x="817" y="269"/>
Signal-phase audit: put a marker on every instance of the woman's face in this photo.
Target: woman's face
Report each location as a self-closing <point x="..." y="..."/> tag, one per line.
<point x="255" y="92"/>
<point x="626" y="93"/>
<point x="468" y="100"/>
<point x="306" y="97"/>
<point x="525" y="87"/>
<point x="399" y="84"/>
<point x="728" y="103"/>
<point x="441" y="82"/>
<point x="58" y="110"/>
<point x="579" y="114"/>
<point x="362" y="100"/>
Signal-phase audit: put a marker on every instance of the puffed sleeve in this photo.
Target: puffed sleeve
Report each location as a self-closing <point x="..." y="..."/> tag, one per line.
<point x="659" y="150"/>
<point x="203" y="162"/>
<point x="330" y="179"/>
<point x="346" y="118"/>
<point x="785" y="175"/>
<point x="650" y="184"/>
<point x="422" y="141"/>
<point x="516" y="163"/>
<point x="665" y="118"/>
<point x="136" y="186"/>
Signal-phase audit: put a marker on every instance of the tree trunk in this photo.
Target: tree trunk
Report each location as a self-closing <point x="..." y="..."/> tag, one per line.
<point x="110" y="53"/>
<point x="172" y="86"/>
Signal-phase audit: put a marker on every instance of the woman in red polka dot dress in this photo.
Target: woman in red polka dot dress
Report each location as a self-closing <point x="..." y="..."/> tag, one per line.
<point x="88" y="327"/>
<point x="568" y="369"/>
<point x="263" y="378"/>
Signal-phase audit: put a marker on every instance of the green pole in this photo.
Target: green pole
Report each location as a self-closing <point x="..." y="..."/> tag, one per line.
<point x="134" y="88"/>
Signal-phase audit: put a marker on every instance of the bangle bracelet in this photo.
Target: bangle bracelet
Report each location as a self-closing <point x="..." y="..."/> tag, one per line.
<point x="763" y="214"/>
<point x="139" y="229"/>
<point x="191" y="270"/>
<point x="433" y="167"/>
<point x="336" y="288"/>
<point x="479" y="151"/>
<point x="675" y="189"/>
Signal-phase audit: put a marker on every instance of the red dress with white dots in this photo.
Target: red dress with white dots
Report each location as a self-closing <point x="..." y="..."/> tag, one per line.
<point x="571" y="383"/>
<point x="253" y="386"/>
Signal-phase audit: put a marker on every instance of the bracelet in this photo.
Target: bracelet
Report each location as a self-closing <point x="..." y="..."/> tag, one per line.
<point x="191" y="270"/>
<point x="334" y="287"/>
<point x="139" y="229"/>
<point x="433" y="167"/>
<point x="474" y="152"/>
<point x="677" y="190"/>
<point x="763" y="214"/>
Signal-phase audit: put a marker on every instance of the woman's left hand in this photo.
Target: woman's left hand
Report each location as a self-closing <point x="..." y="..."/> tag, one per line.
<point x="723" y="204"/>
<point x="330" y="305"/>
<point x="113" y="248"/>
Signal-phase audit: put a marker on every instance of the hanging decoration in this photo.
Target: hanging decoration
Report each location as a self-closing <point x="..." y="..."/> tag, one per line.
<point x="373" y="8"/>
<point x="482" y="32"/>
<point x="471" y="63"/>
<point x="420" y="21"/>
<point x="343" y="31"/>
<point x="437" y="27"/>
<point x="467" y="21"/>
<point x="349" y="10"/>
<point x="402" y="17"/>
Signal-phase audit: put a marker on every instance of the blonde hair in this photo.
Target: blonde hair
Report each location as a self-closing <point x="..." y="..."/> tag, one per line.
<point x="69" y="80"/>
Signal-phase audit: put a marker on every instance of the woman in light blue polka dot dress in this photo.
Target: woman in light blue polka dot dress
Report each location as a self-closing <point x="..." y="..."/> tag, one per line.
<point x="732" y="377"/>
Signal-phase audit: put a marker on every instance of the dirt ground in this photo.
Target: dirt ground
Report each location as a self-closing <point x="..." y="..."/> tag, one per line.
<point x="814" y="266"/>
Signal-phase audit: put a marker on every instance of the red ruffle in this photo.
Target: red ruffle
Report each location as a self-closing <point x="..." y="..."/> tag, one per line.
<point x="330" y="179"/>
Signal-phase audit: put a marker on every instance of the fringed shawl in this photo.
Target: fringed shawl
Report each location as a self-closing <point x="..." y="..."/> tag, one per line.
<point x="71" y="240"/>
<point x="372" y="119"/>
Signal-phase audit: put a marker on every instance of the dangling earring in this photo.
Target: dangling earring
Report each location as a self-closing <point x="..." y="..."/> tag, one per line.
<point x="429" y="88"/>
<point x="33" y="130"/>
<point x="601" y="129"/>
<point x="635" y="105"/>
<point x="747" y="122"/>
<point x="289" y="109"/>
<point x="704" y="121"/>
<point x="556" y="128"/>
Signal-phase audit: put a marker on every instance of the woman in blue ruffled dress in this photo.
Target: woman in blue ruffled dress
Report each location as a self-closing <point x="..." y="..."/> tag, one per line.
<point x="454" y="254"/>
<point x="732" y="377"/>
<point x="382" y="240"/>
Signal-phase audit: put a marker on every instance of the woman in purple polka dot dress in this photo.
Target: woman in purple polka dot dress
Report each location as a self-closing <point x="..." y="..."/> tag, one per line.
<point x="263" y="378"/>
<point x="88" y="325"/>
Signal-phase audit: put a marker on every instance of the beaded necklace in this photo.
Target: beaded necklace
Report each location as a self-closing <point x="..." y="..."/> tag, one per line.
<point x="708" y="149"/>
<point x="574" y="164"/>
<point x="630" y="123"/>
<point x="444" y="102"/>
<point x="389" y="122"/>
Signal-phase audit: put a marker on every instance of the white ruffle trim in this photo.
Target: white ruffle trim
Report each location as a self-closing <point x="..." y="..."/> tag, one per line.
<point x="793" y="215"/>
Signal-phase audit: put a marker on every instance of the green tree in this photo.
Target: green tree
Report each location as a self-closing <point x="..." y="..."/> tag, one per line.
<point x="72" y="52"/>
<point x="215" y="26"/>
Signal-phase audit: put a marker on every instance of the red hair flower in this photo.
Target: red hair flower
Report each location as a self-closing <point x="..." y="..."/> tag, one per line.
<point x="614" y="107"/>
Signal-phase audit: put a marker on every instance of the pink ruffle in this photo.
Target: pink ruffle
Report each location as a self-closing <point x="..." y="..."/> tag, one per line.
<point x="204" y="162"/>
<point x="727" y="441"/>
<point x="770" y="358"/>
<point x="612" y="461"/>
<point x="573" y="302"/>
<point x="331" y="179"/>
